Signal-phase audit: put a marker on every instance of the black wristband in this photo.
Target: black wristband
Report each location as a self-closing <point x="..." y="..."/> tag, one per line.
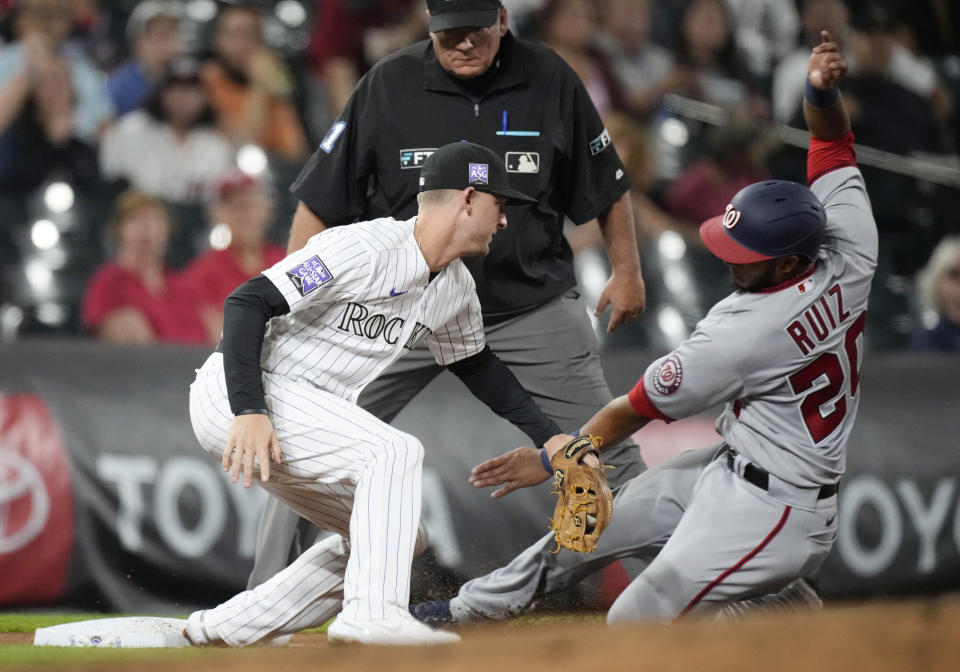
<point x="820" y="97"/>
<point x="253" y="411"/>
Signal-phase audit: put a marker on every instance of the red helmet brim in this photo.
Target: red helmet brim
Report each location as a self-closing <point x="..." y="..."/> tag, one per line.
<point x="714" y="235"/>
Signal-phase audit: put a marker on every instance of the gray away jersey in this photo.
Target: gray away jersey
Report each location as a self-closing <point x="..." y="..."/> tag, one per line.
<point x="785" y="361"/>
<point x="358" y="296"/>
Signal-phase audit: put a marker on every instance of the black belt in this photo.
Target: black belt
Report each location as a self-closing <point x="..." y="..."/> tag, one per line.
<point x="760" y="478"/>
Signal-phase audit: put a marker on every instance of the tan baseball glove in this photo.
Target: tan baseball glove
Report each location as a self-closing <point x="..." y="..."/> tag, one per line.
<point x="585" y="503"/>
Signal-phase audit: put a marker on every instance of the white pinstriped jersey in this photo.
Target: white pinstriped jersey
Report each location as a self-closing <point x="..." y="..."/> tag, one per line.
<point x="786" y="361"/>
<point x="358" y="296"/>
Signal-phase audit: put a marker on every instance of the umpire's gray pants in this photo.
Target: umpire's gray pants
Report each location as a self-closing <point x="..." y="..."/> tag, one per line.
<point x="552" y="351"/>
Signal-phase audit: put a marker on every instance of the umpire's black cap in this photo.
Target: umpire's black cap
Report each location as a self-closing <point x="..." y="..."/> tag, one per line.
<point x="464" y="164"/>
<point x="448" y="14"/>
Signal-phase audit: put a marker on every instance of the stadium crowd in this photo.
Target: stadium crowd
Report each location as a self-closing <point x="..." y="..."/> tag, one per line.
<point x="146" y="147"/>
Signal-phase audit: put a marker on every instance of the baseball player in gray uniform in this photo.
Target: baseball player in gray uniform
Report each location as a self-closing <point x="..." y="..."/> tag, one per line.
<point x="783" y="352"/>
<point x="300" y="342"/>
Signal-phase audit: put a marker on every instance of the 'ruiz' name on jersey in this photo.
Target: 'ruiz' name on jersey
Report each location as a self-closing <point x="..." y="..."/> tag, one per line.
<point x="823" y="317"/>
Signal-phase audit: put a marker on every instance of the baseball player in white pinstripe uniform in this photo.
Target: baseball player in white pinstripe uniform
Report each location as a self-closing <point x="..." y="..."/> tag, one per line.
<point x="783" y="353"/>
<point x="300" y="342"/>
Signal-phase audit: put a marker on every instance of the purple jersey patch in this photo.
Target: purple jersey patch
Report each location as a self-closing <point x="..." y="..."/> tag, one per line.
<point x="309" y="275"/>
<point x="479" y="173"/>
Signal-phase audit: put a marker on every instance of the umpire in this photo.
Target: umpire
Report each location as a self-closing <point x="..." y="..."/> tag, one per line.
<point x="473" y="80"/>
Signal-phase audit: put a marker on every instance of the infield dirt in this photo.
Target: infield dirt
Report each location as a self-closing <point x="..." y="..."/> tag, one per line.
<point x="921" y="635"/>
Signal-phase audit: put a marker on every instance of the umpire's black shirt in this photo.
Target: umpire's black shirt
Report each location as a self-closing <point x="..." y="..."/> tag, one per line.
<point x="530" y="107"/>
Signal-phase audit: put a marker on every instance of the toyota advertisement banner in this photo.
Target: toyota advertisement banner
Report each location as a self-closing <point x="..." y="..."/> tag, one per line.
<point x="108" y="503"/>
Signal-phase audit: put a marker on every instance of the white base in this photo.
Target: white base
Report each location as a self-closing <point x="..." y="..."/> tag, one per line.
<point x="132" y="632"/>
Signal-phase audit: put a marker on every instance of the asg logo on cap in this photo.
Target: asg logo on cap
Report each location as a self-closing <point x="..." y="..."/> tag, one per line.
<point x="730" y="216"/>
<point x="479" y="173"/>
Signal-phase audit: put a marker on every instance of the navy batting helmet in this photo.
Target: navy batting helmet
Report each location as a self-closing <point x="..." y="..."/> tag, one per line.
<point x="766" y="220"/>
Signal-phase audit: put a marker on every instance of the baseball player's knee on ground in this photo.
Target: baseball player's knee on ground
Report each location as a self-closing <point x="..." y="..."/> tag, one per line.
<point x="659" y="594"/>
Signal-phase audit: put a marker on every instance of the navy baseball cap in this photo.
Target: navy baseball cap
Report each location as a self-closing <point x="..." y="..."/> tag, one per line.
<point x="766" y="220"/>
<point x="464" y="164"/>
<point x="448" y="14"/>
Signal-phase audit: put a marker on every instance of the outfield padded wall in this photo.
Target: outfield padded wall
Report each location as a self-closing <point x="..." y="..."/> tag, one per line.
<point x="108" y="503"/>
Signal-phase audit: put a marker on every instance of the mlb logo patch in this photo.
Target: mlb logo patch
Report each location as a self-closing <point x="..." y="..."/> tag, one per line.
<point x="522" y="162"/>
<point x="309" y="276"/>
<point x="479" y="173"/>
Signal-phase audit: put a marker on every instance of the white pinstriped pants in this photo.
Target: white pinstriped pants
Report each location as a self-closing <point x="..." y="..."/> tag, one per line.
<point x="345" y="471"/>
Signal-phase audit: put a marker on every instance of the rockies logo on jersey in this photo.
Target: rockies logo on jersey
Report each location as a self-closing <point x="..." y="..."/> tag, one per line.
<point x="358" y="320"/>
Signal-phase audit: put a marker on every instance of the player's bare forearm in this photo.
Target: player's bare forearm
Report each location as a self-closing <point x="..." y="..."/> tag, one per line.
<point x="305" y="226"/>
<point x="625" y="291"/>
<point x="519" y="468"/>
<point x="825" y="69"/>
<point x="522" y="467"/>
<point x="614" y="422"/>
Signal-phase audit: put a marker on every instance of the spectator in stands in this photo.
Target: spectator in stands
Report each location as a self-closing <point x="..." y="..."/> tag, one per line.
<point x="242" y="211"/>
<point x="134" y="298"/>
<point x="706" y="45"/>
<point x="896" y="87"/>
<point x="939" y="285"/>
<point x="41" y="141"/>
<point x="765" y="31"/>
<point x="735" y="156"/>
<point x="153" y="32"/>
<point x="250" y="87"/>
<point x="569" y="27"/>
<point x="788" y="80"/>
<point x="905" y="86"/>
<point x="645" y="70"/>
<point x="172" y="148"/>
<point x="97" y="31"/>
<point x="41" y="28"/>
<point x="634" y="147"/>
<point x="348" y="37"/>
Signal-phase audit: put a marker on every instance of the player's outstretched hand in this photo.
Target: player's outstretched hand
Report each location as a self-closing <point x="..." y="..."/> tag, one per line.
<point x="518" y="468"/>
<point x="251" y="437"/>
<point x="826" y="66"/>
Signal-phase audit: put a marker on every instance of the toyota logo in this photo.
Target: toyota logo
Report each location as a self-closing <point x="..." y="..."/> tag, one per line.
<point x="20" y="485"/>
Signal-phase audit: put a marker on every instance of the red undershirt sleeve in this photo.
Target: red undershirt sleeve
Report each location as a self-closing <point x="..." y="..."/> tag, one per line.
<point x="827" y="155"/>
<point x="642" y="405"/>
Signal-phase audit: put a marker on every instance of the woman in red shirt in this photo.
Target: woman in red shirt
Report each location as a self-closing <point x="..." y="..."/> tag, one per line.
<point x="241" y="213"/>
<point x="135" y="298"/>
